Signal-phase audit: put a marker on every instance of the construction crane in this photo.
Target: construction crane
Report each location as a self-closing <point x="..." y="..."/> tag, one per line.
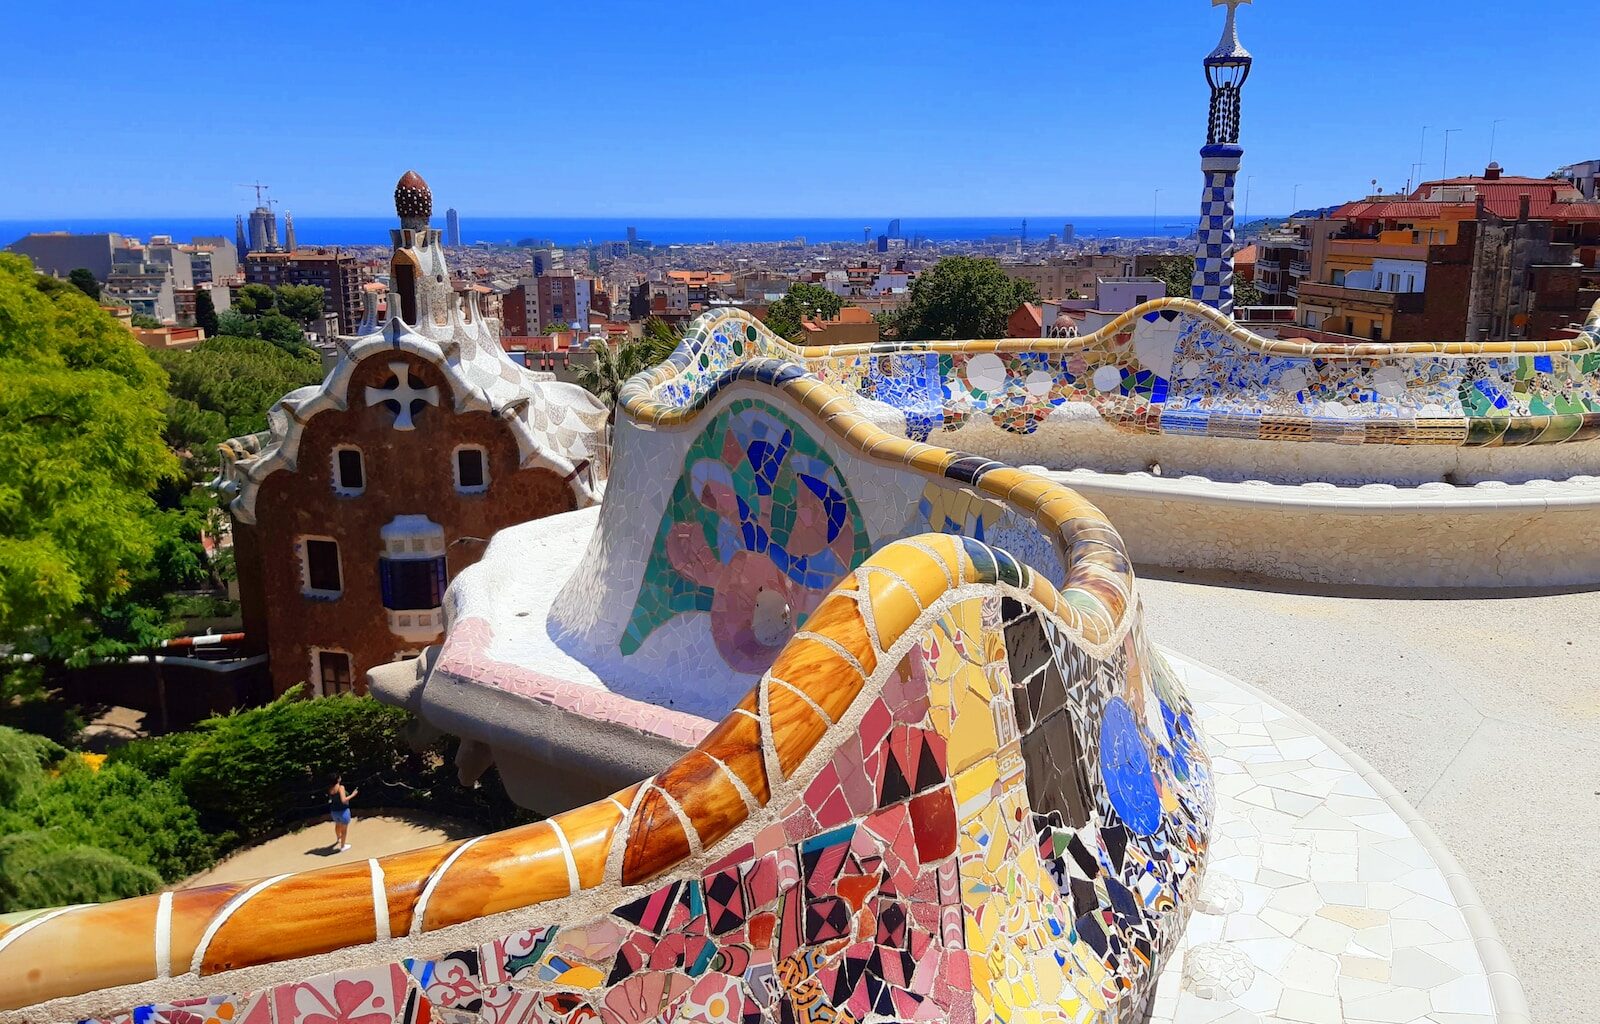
<point x="260" y="201"/>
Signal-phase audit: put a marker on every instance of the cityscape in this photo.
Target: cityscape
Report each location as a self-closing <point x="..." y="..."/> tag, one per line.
<point x="723" y="613"/>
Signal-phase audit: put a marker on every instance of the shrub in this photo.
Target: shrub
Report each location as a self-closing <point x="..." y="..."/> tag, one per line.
<point x="156" y="756"/>
<point x="23" y="759"/>
<point x="38" y="870"/>
<point x="256" y="771"/>
<point x="120" y="808"/>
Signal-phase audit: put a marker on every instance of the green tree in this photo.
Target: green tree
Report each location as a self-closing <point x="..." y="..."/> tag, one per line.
<point x="802" y="300"/>
<point x="658" y="340"/>
<point x="254" y="299"/>
<point x="615" y="362"/>
<point x="224" y="386"/>
<point x="250" y="773"/>
<point x="234" y="324"/>
<point x="83" y="280"/>
<point x="302" y="303"/>
<point x="1178" y="273"/>
<point x="962" y="297"/>
<point x="205" y="312"/>
<point x="81" y="450"/>
<point x="145" y="321"/>
<point x="281" y="331"/>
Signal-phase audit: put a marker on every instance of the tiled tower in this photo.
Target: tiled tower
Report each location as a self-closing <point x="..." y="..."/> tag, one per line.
<point x="1226" y="69"/>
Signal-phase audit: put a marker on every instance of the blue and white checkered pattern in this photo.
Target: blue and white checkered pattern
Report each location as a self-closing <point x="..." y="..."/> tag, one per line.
<point x="1213" y="265"/>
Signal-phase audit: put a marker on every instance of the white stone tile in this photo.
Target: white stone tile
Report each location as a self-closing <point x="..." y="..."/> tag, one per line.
<point x="1468" y="994"/>
<point x="1309" y="1008"/>
<point x="1311" y="971"/>
<point x="1415" y="969"/>
<point x="1327" y="936"/>
<point x="1393" y="1006"/>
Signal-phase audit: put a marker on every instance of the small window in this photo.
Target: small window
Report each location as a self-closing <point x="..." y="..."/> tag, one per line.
<point x="412" y="584"/>
<point x="1338" y="277"/>
<point x="320" y="567"/>
<point x="349" y="474"/>
<point x="333" y="671"/>
<point x="472" y="470"/>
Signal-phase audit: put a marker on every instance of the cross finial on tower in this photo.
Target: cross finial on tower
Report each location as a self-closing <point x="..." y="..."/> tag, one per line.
<point x="1230" y="48"/>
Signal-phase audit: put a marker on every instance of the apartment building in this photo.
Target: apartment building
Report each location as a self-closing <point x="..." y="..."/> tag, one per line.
<point x="1070" y="277"/>
<point x="337" y="274"/>
<point x="1488" y="257"/>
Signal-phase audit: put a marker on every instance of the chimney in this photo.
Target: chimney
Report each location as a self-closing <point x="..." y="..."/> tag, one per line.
<point x="1492" y="172"/>
<point x="1483" y="206"/>
<point x="1524" y="206"/>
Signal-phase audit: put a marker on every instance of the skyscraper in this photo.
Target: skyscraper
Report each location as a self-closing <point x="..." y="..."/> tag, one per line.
<point x="633" y="236"/>
<point x="239" y="242"/>
<point x="452" y="227"/>
<point x="894" y="228"/>
<point x="288" y="231"/>
<point x="1227" y="68"/>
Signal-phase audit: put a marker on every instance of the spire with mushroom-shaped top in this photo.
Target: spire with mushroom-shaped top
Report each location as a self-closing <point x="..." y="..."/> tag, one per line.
<point x="413" y="201"/>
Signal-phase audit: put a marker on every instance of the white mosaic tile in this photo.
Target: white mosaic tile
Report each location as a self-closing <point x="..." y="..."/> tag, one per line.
<point x="1342" y="912"/>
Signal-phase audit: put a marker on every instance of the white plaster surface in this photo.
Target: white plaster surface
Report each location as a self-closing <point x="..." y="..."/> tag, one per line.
<point x="1480" y="707"/>
<point x="1492" y="534"/>
<point x="1076" y="436"/>
<point x="1324" y="904"/>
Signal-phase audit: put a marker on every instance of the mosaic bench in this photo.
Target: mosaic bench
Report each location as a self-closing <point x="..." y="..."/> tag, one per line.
<point x="1216" y="448"/>
<point x="956" y="782"/>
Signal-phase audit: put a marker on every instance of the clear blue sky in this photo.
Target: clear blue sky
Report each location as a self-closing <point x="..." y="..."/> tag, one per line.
<point x="708" y="108"/>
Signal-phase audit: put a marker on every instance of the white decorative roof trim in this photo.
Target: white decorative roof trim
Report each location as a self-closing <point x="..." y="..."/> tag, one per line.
<point x="481" y="377"/>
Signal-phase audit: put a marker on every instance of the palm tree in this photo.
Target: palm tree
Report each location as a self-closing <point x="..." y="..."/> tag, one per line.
<point x="615" y="362"/>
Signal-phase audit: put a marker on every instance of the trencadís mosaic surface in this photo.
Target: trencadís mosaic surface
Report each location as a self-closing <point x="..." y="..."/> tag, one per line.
<point x="1007" y="822"/>
<point x="760" y="516"/>
<point x="1178" y="367"/>
<point x="963" y="789"/>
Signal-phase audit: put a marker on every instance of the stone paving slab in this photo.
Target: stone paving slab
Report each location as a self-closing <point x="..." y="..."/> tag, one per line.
<point x="1327" y="899"/>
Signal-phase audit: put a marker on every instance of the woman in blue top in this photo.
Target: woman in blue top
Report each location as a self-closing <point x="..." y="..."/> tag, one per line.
<point x="339" y="811"/>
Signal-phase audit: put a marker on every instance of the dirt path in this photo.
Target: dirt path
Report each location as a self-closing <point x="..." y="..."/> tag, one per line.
<point x="312" y="846"/>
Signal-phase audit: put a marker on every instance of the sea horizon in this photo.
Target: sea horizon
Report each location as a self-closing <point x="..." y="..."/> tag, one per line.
<point x="573" y="231"/>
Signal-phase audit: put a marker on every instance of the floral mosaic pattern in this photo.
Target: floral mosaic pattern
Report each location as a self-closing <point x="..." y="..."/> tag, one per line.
<point x="760" y="525"/>
<point x="963" y="856"/>
<point x="1179" y="368"/>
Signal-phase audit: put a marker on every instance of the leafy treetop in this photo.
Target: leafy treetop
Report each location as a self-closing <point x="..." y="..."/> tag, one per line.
<point x="83" y="280"/>
<point x="962" y="297"/>
<point x="81" y="450"/>
<point x="803" y="300"/>
<point x="302" y="303"/>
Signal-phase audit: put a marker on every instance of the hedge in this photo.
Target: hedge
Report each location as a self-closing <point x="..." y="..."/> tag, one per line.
<point x="38" y="870"/>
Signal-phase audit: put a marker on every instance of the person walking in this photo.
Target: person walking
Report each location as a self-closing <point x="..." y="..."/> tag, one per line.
<point x="339" y="811"/>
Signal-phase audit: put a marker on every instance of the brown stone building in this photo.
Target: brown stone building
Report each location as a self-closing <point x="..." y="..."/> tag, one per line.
<point x="373" y="489"/>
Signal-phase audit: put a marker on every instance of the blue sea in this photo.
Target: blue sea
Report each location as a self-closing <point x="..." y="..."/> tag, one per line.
<point x="661" y="231"/>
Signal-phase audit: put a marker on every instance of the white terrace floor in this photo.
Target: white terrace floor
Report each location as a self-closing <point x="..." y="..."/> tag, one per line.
<point x="1482" y="710"/>
<point x="1325" y="902"/>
